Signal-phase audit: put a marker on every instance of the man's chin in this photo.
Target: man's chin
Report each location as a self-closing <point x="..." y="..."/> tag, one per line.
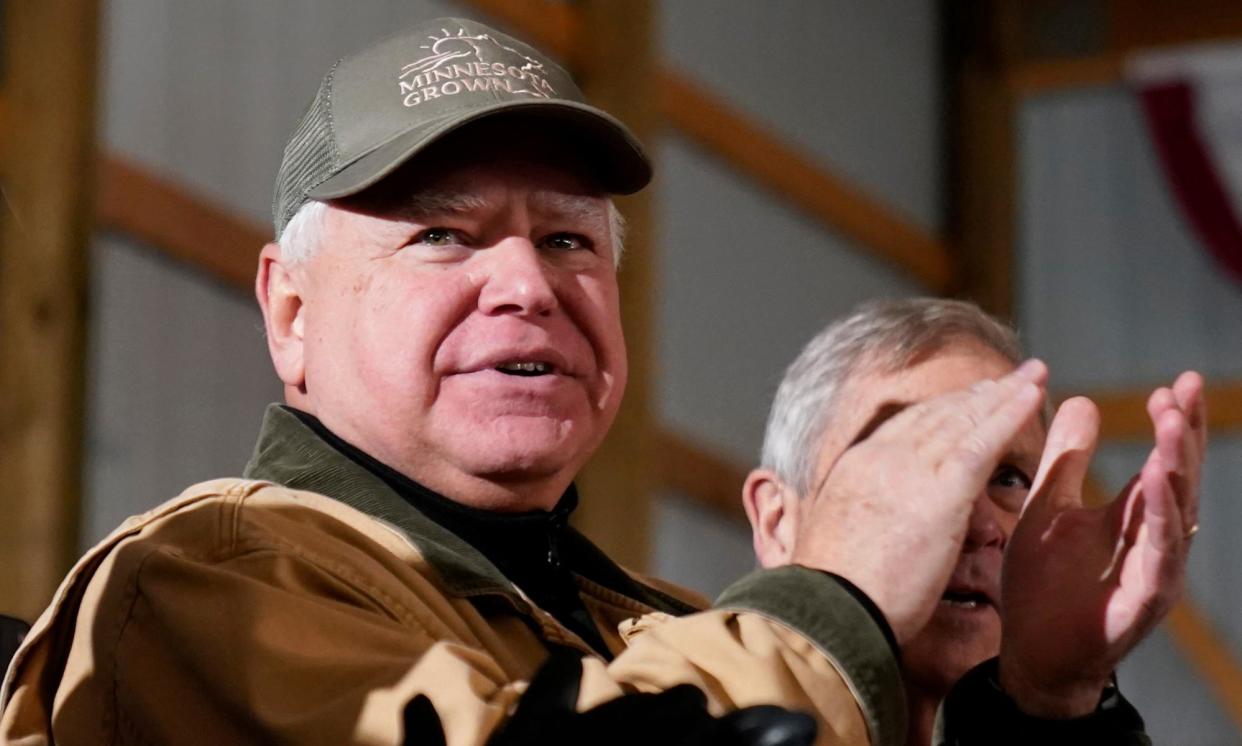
<point x="520" y="451"/>
<point x="958" y="638"/>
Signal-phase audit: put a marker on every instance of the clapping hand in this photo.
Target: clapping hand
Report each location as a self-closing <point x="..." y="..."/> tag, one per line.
<point x="908" y="491"/>
<point x="1082" y="586"/>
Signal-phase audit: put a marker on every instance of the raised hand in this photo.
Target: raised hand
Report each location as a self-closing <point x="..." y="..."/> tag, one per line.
<point x="1082" y="586"/>
<point x="907" y="491"/>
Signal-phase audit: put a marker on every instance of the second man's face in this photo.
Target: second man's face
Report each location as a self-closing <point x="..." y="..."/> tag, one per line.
<point x="965" y="628"/>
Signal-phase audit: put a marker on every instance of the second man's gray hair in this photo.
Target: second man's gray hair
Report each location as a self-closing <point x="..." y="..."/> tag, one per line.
<point x="882" y="336"/>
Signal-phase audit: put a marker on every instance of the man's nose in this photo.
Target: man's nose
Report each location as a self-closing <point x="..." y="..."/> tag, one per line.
<point x="984" y="529"/>
<point x="518" y="280"/>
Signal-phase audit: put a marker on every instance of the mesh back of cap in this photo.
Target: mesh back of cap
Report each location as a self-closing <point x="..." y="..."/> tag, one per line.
<point x="309" y="157"/>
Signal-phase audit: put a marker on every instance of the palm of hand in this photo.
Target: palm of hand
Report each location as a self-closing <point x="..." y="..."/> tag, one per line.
<point x="1081" y="586"/>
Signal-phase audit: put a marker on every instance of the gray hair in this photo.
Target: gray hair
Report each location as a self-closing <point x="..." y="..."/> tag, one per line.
<point x="884" y="336"/>
<point x="303" y="233"/>
<point x="301" y="236"/>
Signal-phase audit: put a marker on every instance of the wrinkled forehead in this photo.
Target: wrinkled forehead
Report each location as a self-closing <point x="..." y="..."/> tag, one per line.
<point x="875" y="390"/>
<point x="468" y="195"/>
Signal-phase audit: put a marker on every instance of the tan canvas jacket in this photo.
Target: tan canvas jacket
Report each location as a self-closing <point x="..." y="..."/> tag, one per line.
<point x="309" y="606"/>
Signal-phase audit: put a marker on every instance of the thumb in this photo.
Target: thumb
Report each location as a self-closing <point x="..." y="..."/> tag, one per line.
<point x="1072" y="438"/>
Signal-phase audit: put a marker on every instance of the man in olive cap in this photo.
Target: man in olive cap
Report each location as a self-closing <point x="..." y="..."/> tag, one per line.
<point x="441" y="306"/>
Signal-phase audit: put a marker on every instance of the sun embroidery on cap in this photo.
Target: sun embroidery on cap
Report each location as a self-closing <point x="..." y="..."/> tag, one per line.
<point x="463" y="62"/>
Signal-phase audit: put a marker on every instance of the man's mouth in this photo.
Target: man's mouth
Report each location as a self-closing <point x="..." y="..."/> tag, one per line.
<point x="966" y="599"/>
<point x="526" y="368"/>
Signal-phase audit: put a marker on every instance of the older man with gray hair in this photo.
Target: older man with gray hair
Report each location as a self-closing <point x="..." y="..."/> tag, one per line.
<point x="1080" y="586"/>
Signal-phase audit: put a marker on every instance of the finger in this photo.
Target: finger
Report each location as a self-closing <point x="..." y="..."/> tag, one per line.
<point x="1071" y="442"/>
<point x="1149" y="544"/>
<point x="1181" y="460"/>
<point x="939" y="425"/>
<point x="1032" y="370"/>
<point x="995" y="421"/>
<point x="1160" y="401"/>
<point x="1181" y="443"/>
<point x="960" y="415"/>
<point x="1188" y="390"/>
<point x="1170" y="429"/>
<point x="1186" y="395"/>
<point x="1162" y="543"/>
<point x="1159" y="510"/>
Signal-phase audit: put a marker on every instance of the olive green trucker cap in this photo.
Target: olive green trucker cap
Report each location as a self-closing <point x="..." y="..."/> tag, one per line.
<point x="380" y="107"/>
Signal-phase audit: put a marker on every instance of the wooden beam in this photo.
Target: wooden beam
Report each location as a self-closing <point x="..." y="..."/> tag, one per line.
<point x="1210" y="656"/>
<point x="1141" y="24"/>
<point x="1123" y="412"/>
<point x="1036" y="77"/>
<point x="981" y="41"/>
<point x="751" y="150"/>
<point x="615" y="68"/>
<point x="154" y="210"/>
<point x="1130" y="27"/>
<point x="794" y="175"/>
<point x="705" y="477"/>
<point x="49" y="64"/>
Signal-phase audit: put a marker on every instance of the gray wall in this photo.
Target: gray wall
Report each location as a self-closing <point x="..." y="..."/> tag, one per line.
<point x="1115" y="291"/>
<point x="745" y="279"/>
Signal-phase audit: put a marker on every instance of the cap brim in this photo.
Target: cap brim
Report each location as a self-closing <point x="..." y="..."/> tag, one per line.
<point x="618" y="160"/>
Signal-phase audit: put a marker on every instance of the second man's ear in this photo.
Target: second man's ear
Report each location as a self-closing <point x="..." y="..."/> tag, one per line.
<point x="772" y="509"/>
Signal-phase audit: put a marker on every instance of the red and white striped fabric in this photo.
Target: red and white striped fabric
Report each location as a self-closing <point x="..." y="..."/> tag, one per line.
<point x="1192" y="99"/>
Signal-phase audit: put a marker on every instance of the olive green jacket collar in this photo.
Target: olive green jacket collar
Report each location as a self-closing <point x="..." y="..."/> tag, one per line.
<point x="291" y="454"/>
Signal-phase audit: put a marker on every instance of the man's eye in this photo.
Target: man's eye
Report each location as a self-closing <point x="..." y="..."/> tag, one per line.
<point x="1011" y="476"/>
<point x="1009" y="486"/>
<point x="438" y="237"/>
<point x="566" y="242"/>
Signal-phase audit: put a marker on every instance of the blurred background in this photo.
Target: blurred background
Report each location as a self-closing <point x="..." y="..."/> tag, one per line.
<point x="1073" y="165"/>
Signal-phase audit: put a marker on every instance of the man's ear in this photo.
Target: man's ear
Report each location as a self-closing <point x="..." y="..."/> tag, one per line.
<point x="280" y="297"/>
<point x="772" y="509"/>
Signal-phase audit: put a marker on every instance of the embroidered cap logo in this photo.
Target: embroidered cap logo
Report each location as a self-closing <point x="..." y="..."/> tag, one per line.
<point x="463" y="62"/>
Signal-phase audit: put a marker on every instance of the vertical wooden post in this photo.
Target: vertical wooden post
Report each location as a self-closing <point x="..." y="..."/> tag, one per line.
<point x="49" y="84"/>
<point x="987" y="41"/>
<point x="614" y="63"/>
<point x="982" y="40"/>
